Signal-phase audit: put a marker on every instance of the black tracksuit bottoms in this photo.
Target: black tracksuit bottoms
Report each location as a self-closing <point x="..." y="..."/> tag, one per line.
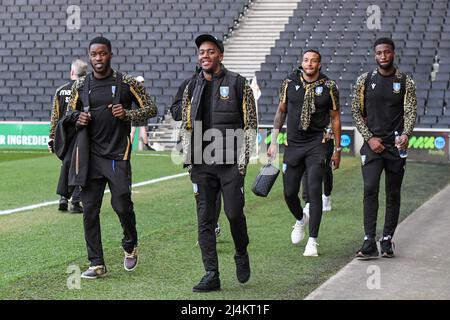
<point x="118" y="176"/>
<point x="373" y="165"/>
<point x="310" y="158"/>
<point x="327" y="176"/>
<point x="208" y="182"/>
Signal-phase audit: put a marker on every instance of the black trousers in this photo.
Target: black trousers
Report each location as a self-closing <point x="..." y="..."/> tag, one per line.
<point x="117" y="174"/>
<point x="63" y="188"/>
<point x="209" y="181"/>
<point x="76" y="194"/>
<point x="394" y="169"/>
<point x="327" y="175"/>
<point x="311" y="159"/>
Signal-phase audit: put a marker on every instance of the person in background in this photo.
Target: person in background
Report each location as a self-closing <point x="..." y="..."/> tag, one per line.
<point x="78" y="69"/>
<point x="327" y="178"/>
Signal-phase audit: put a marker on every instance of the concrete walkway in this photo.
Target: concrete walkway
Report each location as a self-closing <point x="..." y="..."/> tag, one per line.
<point x="420" y="270"/>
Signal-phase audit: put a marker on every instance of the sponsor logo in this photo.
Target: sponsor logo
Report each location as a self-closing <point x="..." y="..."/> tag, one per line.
<point x="439" y="143"/>
<point x="429" y="143"/>
<point x="345" y="140"/>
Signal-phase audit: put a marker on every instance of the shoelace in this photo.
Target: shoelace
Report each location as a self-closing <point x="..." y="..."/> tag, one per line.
<point x="133" y="254"/>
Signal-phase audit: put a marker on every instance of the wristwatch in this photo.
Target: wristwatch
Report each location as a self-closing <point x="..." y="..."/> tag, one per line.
<point x="338" y="149"/>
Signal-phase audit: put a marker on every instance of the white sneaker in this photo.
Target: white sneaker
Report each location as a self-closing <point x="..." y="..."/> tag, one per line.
<point x="306" y="209"/>
<point x="298" y="232"/>
<point x="326" y="203"/>
<point x="311" y="248"/>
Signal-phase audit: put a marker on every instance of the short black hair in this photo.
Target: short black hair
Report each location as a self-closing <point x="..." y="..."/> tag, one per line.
<point x="100" y="40"/>
<point x="384" y="41"/>
<point x="315" y="51"/>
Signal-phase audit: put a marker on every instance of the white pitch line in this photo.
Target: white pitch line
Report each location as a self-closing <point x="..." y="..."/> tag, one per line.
<point x="49" y="203"/>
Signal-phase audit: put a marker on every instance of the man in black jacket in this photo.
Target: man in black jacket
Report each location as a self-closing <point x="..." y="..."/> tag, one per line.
<point x="219" y="128"/>
<point x="176" y="111"/>
<point x="311" y="99"/>
<point x="78" y="69"/>
<point x="102" y="102"/>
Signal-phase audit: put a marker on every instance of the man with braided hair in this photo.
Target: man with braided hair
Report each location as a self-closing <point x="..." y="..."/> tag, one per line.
<point x="311" y="99"/>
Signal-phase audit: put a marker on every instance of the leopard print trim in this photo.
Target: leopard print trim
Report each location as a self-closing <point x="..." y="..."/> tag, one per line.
<point x="309" y="107"/>
<point x="72" y="105"/>
<point x="283" y="90"/>
<point x="334" y="93"/>
<point x="148" y="108"/>
<point x="54" y="116"/>
<point x="410" y="106"/>
<point x="250" y="128"/>
<point x="358" y="107"/>
<point x="186" y="126"/>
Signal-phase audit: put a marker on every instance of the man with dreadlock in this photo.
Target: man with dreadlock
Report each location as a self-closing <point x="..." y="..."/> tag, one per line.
<point x="311" y="99"/>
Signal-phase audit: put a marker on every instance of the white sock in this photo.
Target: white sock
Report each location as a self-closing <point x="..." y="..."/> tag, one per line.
<point x="312" y="240"/>
<point x="300" y="222"/>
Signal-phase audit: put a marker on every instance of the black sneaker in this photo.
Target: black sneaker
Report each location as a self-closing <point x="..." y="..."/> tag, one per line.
<point x="209" y="282"/>
<point x="369" y="250"/>
<point x="387" y="247"/>
<point x="242" y="267"/>
<point x="63" y="204"/>
<point x="75" y="207"/>
<point x="94" y="272"/>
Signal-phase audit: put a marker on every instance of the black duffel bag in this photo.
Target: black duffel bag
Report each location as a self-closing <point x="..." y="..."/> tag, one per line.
<point x="265" y="180"/>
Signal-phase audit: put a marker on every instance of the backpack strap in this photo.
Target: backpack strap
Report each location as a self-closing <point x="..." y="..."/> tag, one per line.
<point x="86" y="92"/>
<point x="118" y="88"/>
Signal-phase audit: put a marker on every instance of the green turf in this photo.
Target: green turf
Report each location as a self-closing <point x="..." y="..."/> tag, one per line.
<point x="13" y="155"/>
<point x="37" y="247"/>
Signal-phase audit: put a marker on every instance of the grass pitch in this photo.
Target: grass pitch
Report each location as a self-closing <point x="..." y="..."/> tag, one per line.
<point x="39" y="249"/>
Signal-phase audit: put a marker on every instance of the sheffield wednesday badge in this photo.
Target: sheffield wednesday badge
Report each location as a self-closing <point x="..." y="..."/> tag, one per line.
<point x="224" y="92"/>
<point x="319" y="90"/>
<point x="396" y="86"/>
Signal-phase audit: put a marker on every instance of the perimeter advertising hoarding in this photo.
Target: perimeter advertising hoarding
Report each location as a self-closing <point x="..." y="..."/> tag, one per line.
<point x="429" y="146"/>
<point x="24" y="135"/>
<point x="347" y="140"/>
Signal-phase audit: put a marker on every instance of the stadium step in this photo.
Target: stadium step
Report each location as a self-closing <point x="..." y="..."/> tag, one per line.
<point x="256" y="34"/>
